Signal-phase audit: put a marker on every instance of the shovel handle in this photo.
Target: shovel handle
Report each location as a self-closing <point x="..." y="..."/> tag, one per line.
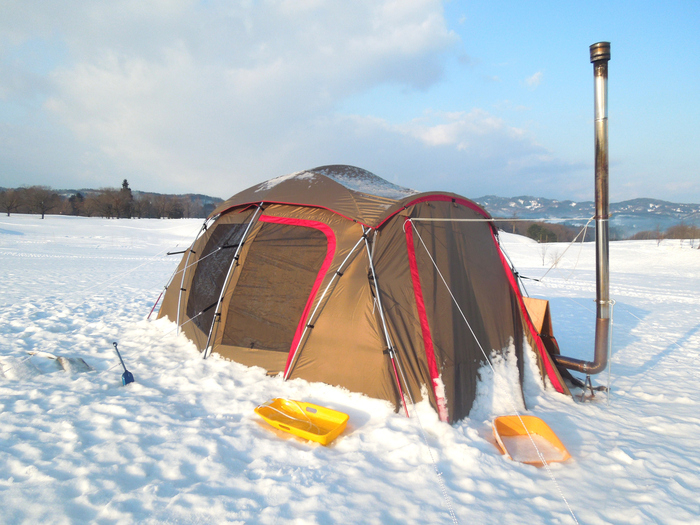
<point x="120" y="356"/>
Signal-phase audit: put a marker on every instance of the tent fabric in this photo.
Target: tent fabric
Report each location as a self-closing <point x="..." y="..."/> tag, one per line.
<point x="547" y="346"/>
<point x="210" y="273"/>
<point x="437" y="385"/>
<point x="267" y="302"/>
<point x="476" y="278"/>
<point x="300" y="297"/>
<point x="335" y="188"/>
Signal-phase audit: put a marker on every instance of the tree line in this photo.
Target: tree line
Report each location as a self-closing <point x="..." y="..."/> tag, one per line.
<point x="121" y="203"/>
<point x="547" y="232"/>
<point x="543" y="232"/>
<point x="117" y="203"/>
<point x="679" y="231"/>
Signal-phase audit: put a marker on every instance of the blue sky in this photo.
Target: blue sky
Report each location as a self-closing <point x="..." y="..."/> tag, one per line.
<point x="475" y="98"/>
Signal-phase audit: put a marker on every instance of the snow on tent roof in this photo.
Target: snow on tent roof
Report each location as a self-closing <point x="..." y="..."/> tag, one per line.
<point x="349" y="191"/>
<point x="363" y="181"/>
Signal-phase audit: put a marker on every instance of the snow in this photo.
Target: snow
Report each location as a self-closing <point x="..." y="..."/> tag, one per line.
<point x="268" y="185"/>
<point x="363" y="181"/>
<point x="520" y="448"/>
<point x="352" y="178"/>
<point x="183" y="445"/>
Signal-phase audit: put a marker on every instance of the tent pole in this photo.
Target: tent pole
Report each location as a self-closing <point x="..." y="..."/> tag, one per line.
<point x="217" y="313"/>
<point x="156" y="303"/>
<point x="390" y="347"/>
<point x="600" y="55"/>
<point x="184" y="271"/>
<point x="172" y="278"/>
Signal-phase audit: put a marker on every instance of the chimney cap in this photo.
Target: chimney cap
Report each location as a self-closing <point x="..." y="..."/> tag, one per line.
<point x="600" y="51"/>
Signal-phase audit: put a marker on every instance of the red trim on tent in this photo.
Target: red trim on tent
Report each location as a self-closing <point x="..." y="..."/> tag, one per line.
<point x="247" y="205"/>
<point x="440" y="198"/>
<point x="426" y="198"/>
<point x="330" y="252"/>
<point x="425" y="327"/>
<point x="544" y="355"/>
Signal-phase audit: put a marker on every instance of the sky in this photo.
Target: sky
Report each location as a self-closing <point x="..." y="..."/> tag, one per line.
<point x="477" y="98"/>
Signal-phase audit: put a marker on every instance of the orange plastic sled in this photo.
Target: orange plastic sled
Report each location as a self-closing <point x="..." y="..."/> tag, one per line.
<point x="524" y="438"/>
<point x="308" y="421"/>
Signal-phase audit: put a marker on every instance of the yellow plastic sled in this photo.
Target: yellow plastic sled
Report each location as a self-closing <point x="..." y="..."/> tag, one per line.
<point x="308" y="421"/>
<point x="516" y="440"/>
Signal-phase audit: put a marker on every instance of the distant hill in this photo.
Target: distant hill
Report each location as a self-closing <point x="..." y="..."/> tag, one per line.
<point x="628" y="217"/>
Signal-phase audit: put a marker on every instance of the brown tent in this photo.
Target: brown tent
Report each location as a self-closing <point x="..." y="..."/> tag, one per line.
<point x="335" y="275"/>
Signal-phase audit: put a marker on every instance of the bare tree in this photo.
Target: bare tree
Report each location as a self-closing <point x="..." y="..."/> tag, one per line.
<point x="10" y="201"/>
<point x="91" y="205"/>
<point x="175" y="208"/>
<point x="144" y="206"/>
<point x="106" y="203"/>
<point x="120" y="206"/>
<point x="161" y="204"/>
<point x="139" y="207"/>
<point x="543" y="252"/>
<point x="41" y="199"/>
<point x="187" y="207"/>
<point x="555" y="257"/>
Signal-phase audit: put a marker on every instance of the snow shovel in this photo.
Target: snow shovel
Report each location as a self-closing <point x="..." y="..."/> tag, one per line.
<point x="127" y="377"/>
<point x="528" y="439"/>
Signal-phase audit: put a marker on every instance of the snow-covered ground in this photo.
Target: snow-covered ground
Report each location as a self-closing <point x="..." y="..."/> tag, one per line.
<point x="183" y="445"/>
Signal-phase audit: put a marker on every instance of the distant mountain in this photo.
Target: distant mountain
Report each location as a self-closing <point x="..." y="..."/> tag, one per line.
<point x="628" y="217"/>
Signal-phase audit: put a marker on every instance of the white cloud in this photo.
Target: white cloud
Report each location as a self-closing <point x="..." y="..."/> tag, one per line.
<point x="175" y="91"/>
<point x="534" y="80"/>
<point x="473" y="153"/>
<point x="213" y="97"/>
<point x="465" y="131"/>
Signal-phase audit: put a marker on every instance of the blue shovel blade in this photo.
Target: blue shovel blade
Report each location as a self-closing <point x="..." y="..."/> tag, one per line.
<point x="127" y="377"/>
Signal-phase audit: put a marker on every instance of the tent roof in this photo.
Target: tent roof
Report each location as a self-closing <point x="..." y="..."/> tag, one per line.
<point x="346" y="190"/>
<point x="349" y="191"/>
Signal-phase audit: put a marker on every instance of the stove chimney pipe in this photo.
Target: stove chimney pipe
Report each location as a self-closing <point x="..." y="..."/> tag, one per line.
<point x="600" y="55"/>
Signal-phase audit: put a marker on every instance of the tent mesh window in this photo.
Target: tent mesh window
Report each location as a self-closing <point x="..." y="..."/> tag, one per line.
<point x="211" y="272"/>
<point x="277" y="277"/>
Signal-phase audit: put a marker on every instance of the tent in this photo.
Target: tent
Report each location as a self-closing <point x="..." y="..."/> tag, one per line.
<point x="338" y="276"/>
